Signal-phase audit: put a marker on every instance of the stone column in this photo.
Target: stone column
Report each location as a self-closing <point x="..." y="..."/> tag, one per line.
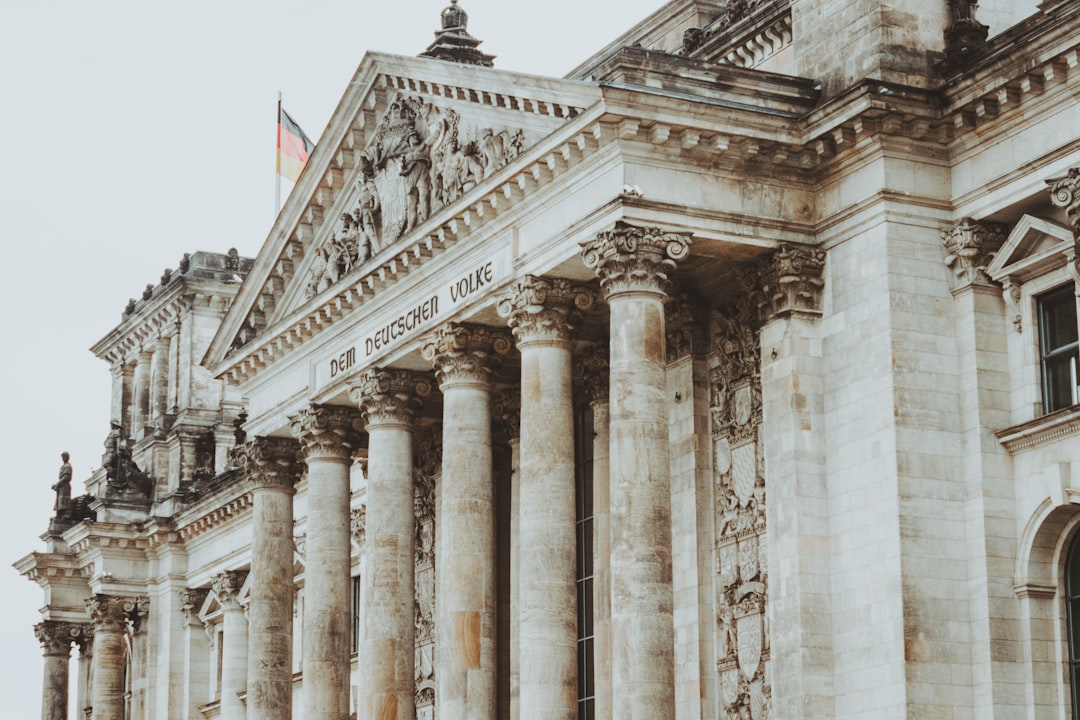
<point x="592" y="375"/>
<point x="127" y="400"/>
<point x="542" y="313"/>
<point x="328" y="437"/>
<point x="195" y="681"/>
<point x="85" y="642"/>
<point x="465" y="608"/>
<point x="226" y="587"/>
<point x="271" y="464"/>
<point x="117" y="404"/>
<point x="506" y="421"/>
<point x="159" y="382"/>
<point x="388" y="400"/>
<point x="634" y="266"/>
<point x="55" y="638"/>
<point x="140" y="413"/>
<point x="110" y="615"/>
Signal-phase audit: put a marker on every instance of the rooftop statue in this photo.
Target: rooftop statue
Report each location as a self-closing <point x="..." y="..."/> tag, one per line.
<point x="63" y="486"/>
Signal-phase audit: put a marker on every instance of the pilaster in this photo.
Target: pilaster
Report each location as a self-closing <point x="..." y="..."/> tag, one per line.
<point x="234" y="655"/>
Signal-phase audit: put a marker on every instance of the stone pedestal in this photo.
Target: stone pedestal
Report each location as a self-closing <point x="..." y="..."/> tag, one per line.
<point x="328" y="437"/>
<point x="55" y="638"/>
<point x="388" y="400"/>
<point x="235" y="637"/>
<point x="110" y="616"/>
<point x="634" y="265"/>
<point x="271" y="464"/>
<point x="542" y="314"/>
<point x="465" y="621"/>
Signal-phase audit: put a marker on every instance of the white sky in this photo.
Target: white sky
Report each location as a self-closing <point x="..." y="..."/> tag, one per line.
<point x="135" y="132"/>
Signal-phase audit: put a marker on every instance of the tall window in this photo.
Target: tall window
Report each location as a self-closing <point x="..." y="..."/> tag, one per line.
<point x="583" y="460"/>
<point x="1072" y="612"/>
<point x="356" y="613"/>
<point x="1058" y="346"/>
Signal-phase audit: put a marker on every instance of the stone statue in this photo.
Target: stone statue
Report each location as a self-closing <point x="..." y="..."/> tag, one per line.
<point x="368" y="214"/>
<point x="63" y="486"/>
<point x="416" y="169"/>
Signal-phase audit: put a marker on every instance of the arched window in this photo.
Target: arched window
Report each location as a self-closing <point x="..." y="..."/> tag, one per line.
<point x="1072" y="613"/>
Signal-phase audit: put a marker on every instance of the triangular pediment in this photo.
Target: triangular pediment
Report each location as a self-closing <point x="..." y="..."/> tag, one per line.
<point x="411" y="140"/>
<point x="1034" y="246"/>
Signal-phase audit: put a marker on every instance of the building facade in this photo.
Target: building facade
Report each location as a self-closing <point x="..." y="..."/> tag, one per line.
<point x="732" y="376"/>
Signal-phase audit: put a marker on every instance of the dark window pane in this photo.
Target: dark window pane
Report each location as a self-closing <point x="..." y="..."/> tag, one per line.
<point x="1060" y="382"/>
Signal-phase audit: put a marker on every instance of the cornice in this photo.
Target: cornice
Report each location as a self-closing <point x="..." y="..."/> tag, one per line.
<point x="1040" y="431"/>
<point x="43" y="567"/>
<point x="222" y="511"/>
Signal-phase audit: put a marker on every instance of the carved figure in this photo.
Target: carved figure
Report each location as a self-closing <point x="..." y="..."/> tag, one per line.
<point x="416" y="169"/>
<point x="368" y="215"/>
<point x="63" y="486"/>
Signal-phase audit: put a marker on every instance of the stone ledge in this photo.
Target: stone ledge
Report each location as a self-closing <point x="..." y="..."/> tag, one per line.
<point x="1041" y="431"/>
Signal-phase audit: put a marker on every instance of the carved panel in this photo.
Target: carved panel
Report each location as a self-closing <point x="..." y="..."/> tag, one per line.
<point x="742" y="647"/>
<point x="427" y="466"/>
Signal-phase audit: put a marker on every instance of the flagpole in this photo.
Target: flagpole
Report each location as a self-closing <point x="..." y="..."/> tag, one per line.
<point x="277" y="176"/>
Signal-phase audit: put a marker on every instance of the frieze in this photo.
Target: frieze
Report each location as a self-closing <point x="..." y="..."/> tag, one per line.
<point x="544" y="310"/>
<point x="419" y="159"/>
<point x="970" y="247"/>
<point x="634" y="259"/>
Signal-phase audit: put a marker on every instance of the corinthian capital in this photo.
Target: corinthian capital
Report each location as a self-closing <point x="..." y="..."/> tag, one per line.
<point x="465" y="353"/>
<point x="1065" y="193"/>
<point x="226" y="586"/>
<point x="110" y="613"/>
<point x="633" y="259"/>
<point x="791" y="280"/>
<point x="971" y="246"/>
<point x="56" y="637"/>
<point x="544" y="310"/>
<point x="270" y="462"/>
<point x="327" y="431"/>
<point x="191" y="602"/>
<point x="389" y="397"/>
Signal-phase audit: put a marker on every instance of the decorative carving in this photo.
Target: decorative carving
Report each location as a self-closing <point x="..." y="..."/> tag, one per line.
<point x="111" y="613"/>
<point x="226" y="586"/>
<point x="389" y="396"/>
<point x="453" y="42"/>
<point x="358" y="527"/>
<point x="465" y="353"/>
<point x="56" y="637"/>
<point x="591" y="373"/>
<point x="232" y="259"/>
<point x="148" y="291"/>
<point x="299" y="543"/>
<point x="427" y="465"/>
<point x="326" y="430"/>
<point x="684" y="333"/>
<point x="125" y="481"/>
<point x="506" y="415"/>
<point x="1065" y="193"/>
<point x="971" y="246"/>
<point x="966" y="34"/>
<point x="738" y="467"/>
<point x="633" y="259"/>
<point x="791" y="280"/>
<point x="191" y="602"/>
<point x="544" y="310"/>
<point x="270" y="462"/>
<point x="418" y="160"/>
<point x="185" y="263"/>
<point x="735" y="12"/>
<point x="1011" y="291"/>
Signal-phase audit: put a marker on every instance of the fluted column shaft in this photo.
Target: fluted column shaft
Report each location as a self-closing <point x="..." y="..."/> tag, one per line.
<point x="465" y="609"/>
<point x="633" y="265"/>
<point x="110" y="615"/>
<point x="235" y="651"/>
<point x="388" y="400"/>
<point x="271" y="464"/>
<point x="159" y="381"/>
<point x="329" y="438"/>
<point x="542" y="313"/>
<point x="140" y="416"/>
<point x="55" y="638"/>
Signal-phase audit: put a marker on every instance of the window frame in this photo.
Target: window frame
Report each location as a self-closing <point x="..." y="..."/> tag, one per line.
<point x="1061" y="297"/>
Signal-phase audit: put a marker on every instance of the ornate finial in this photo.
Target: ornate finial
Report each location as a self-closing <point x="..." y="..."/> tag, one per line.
<point x="454" y="43"/>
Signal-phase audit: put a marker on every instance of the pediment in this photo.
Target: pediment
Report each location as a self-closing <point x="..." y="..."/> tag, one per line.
<point x="412" y="138"/>
<point x="1034" y="246"/>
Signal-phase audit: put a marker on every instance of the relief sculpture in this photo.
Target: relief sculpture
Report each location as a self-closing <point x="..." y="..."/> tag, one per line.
<point x="736" y="412"/>
<point x="427" y="466"/>
<point x="418" y="160"/>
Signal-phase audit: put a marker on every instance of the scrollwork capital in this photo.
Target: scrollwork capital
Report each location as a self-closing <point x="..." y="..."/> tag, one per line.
<point x="56" y="637"/>
<point x="970" y="246"/>
<point x="633" y="259"/>
<point x="111" y="613"/>
<point x="191" y="601"/>
<point x="465" y="354"/>
<point x="270" y="462"/>
<point x="227" y="585"/>
<point x="1065" y="193"/>
<point x="327" y="431"/>
<point x="389" y="396"/>
<point x="790" y="279"/>
<point x="544" y="310"/>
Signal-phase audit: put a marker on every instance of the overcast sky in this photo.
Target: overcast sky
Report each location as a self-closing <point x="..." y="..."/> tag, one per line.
<point x="134" y="132"/>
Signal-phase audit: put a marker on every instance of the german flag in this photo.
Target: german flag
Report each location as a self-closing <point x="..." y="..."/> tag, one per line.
<point x="293" y="146"/>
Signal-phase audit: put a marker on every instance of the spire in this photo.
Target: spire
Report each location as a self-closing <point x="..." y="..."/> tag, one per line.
<point x="454" y="43"/>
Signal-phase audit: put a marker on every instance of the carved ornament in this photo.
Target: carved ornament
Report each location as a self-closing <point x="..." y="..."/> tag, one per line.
<point x="465" y="353"/>
<point x="791" y="279"/>
<point x="111" y="613"/>
<point x="1065" y="193"/>
<point x="419" y="160"/>
<point x="966" y="34"/>
<point x="544" y="310"/>
<point x="56" y="637"/>
<point x="970" y="246"/>
<point x="591" y="373"/>
<point x="634" y="259"/>
<point x="191" y="602"/>
<point x="327" y="431"/>
<point x="506" y="415"/>
<point x="358" y="526"/>
<point x="683" y="332"/>
<point x="389" y="397"/>
<point x="270" y="462"/>
<point x="226" y="586"/>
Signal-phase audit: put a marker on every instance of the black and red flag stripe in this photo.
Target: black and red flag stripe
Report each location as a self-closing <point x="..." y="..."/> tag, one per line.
<point x="294" y="147"/>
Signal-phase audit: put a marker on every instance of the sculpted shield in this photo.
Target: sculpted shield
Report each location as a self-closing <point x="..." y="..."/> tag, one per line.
<point x="748" y="630"/>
